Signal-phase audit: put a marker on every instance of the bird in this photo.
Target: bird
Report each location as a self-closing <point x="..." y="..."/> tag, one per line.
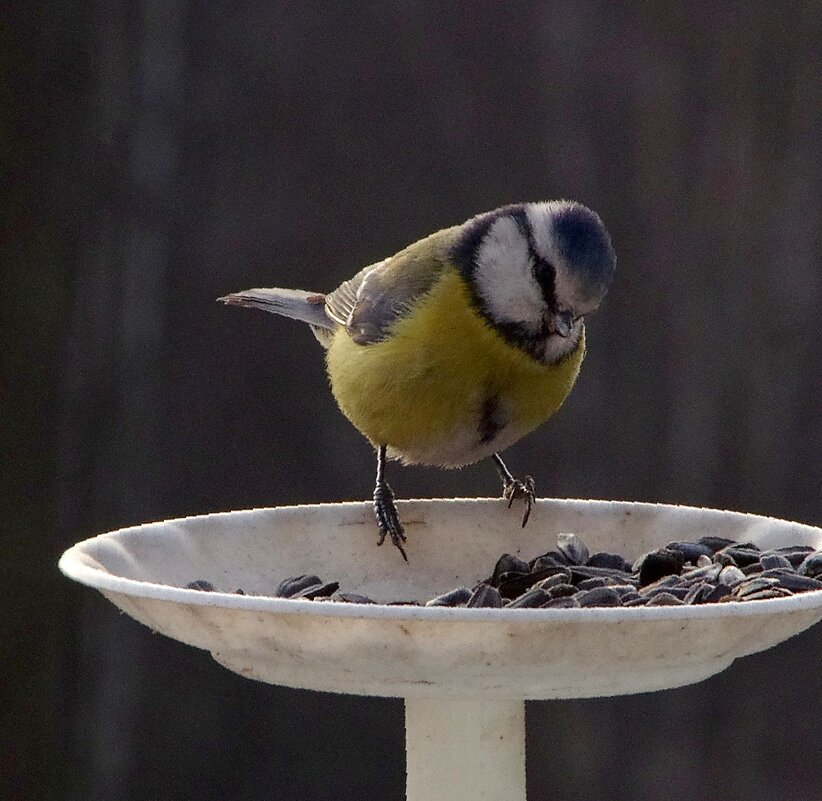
<point x="457" y="346"/>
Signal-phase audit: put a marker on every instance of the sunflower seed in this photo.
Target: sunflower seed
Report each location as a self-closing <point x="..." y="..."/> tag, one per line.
<point x="715" y="543"/>
<point x="550" y="559"/>
<point x="528" y="600"/>
<point x="321" y="590"/>
<point x="690" y="550"/>
<point x="610" y="560"/>
<point x="766" y="594"/>
<point x="811" y="565"/>
<point x="455" y="597"/>
<point x="656" y="564"/>
<point x="353" y="598"/>
<point x="730" y="576"/>
<point x="289" y="587"/>
<point x="599" y="596"/>
<point x="553" y="581"/>
<point x="754" y="585"/>
<point x="485" y="596"/>
<point x="568" y="602"/>
<point x="562" y="590"/>
<point x="794" y="582"/>
<point x="774" y="561"/>
<point x="573" y="548"/>
<point x="665" y="599"/>
<point x="742" y="554"/>
<point x="506" y="564"/>
<point x="202" y="585"/>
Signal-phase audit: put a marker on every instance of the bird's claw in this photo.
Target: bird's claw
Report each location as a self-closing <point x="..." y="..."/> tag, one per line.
<point x="515" y="489"/>
<point x="385" y="511"/>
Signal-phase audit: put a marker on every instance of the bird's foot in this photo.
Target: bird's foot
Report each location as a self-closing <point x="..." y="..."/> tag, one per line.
<point x="385" y="511"/>
<point x="514" y="489"/>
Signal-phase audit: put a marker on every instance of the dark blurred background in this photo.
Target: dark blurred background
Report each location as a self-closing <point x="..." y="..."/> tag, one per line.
<point x="158" y="154"/>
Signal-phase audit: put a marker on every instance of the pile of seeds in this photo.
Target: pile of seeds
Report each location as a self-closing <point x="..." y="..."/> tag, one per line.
<point x="710" y="570"/>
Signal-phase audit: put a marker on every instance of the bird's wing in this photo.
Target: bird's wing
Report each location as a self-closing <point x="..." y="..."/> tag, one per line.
<point x="341" y="302"/>
<point x="375" y="298"/>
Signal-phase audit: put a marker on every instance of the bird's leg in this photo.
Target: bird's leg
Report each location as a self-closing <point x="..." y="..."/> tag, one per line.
<point x="513" y="488"/>
<point x="385" y="510"/>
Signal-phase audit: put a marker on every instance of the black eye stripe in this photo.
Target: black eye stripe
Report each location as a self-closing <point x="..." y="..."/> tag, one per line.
<point x="544" y="272"/>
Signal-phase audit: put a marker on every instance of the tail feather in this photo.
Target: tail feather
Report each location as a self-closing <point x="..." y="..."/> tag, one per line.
<point x="294" y="303"/>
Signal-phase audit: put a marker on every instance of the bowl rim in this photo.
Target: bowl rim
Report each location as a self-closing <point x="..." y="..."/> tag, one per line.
<point x="74" y="566"/>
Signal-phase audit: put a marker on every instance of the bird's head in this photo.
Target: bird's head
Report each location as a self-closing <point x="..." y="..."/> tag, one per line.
<point x="535" y="271"/>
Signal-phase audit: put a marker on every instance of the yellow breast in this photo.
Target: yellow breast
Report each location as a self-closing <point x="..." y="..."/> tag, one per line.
<point x="445" y="389"/>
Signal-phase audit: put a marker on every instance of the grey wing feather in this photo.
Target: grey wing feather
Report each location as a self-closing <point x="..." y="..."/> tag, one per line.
<point x="294" y="303"/>
<point x="371" y="302"/>
<point x="340" y="303"/>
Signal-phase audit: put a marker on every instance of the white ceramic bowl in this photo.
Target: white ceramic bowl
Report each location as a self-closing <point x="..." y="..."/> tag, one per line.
<point x="418" y="651"/>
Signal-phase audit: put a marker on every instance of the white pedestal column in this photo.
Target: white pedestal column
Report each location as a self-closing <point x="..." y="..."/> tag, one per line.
<point x="465" y="749"/>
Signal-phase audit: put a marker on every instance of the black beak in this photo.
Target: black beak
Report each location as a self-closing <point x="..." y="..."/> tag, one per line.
<point x="563" y="323"/>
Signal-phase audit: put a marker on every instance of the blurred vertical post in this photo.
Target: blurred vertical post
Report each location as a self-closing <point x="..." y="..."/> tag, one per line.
<point x="113" y="396"/>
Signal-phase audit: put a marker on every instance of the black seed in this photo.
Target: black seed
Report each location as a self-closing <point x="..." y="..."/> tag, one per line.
<point x="795" y="554"/>
<point x="775" y="561"/>
<point x="289" y="587"/>
<point x="550" y="559"/>
<point x="567" y="602"/>
<point x="715" y="543"/>
<point x="664" y="583"/>
<point x="528" y="600"/>
<point x="596" y="581"/>
<point x="811" y="565"/>
<point x="600" y="596"/>
<point x="508" y="563"/>
<point x="698" y="593"/>
<point x="202" y="585"/>
<point x="709" y="573"/>
<point x="793" y="581"/>
<point x="455" y="597"/>
<point x="717" y="593"/>
<point x="742" y="555"/>
<point x="677" y="592"/>
<point x="752" y="569"/>
<point x="627" y="597"/>
<point x="573" y="548"/>
<point x="690" y="550"/>
<point x="766" y="594"/>
<point x="640" y="600"/>
<point x="730" y="576"/>
<point x="321" y="590"/>
<point x="610" y="560"/>
<point x="562" y="590"/>
<point x="553" y="581"/>
<point x="724" y="559"/>
<point x="485" y="596"/>
<point x="582" y="572"/>
<point x="754" y="585"/>
<point x="656" y="564"/>
<point x="548" y="572"/>
<point x="512" y="585"/>
<point x="353" y="598"/>
<point x="665" y="599"/>
<point x="239" y="591"/>
<point x="624" y="589"/>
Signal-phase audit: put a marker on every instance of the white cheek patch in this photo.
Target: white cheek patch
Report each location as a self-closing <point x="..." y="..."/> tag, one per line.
<point x="503" y="277"/>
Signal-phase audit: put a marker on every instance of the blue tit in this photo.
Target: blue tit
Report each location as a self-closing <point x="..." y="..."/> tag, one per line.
<point x="457" y="346"/>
